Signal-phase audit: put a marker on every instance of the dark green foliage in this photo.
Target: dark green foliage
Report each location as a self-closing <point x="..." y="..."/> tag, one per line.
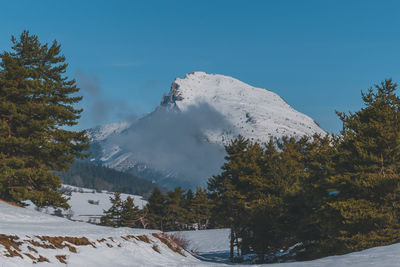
<point x="121" y="213"/>
<point x="131" y="214"/>
<point x="332" y="194"/>
<point x="175" y="210"/>
<point x="36" y="102"/>
<point x="85" y="174"/>
<point x="178" y="210"/>
<point x="365" y="212"/>
<point x="113" y="215"/>
<point x="156" y="210"/>
<point x="200" y="209"/>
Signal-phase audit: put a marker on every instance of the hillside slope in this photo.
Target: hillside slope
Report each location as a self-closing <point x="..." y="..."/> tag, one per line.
<point x="28" y="237"/>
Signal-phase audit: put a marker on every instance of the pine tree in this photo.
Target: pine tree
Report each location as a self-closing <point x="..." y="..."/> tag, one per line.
<point x="36" y="104"/>
<point x="175" y="211"/>
<point x="201" y="208"/>
<point x="156" y="209"/>
<point x="226" y="198"/>
<point x="365" y="211"/>
<point x="130" y="214"/>
<point x="113" y="216"/>
<point x="188" y="205"/>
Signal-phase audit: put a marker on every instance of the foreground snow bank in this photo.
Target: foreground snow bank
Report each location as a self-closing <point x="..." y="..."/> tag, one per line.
<point x="206" y="241"/>
<point x="379" y="257"/>
<point x="28" y="237"/>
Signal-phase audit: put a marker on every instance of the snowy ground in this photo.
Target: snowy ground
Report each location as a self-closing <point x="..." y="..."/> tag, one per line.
<point x="212" y="244"/>
<point x="127" y="247"/>
<point x="84" y="211"/>
<point x="108" y="246"/>
<point x="204" y="241"/>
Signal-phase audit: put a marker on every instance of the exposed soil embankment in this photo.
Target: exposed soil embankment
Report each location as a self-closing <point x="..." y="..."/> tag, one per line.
<point x="58" y="248"/>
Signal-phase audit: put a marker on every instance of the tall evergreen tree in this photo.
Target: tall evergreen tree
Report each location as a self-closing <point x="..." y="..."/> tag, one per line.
<point x="188" y="205"/>
<point x="156" y="209"/>
<point x="226" y="198"/>
<point x="130" y="214"/>
<point x="36" y="102"/>
<point x="175" y="211"/>
<point x="365" y="212"/>
<point x="113" y="216"/>
<point x="201" y="208"/>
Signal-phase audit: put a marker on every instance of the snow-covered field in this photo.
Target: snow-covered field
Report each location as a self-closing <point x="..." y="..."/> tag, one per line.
<point x="84" y="211"/>
<point x="30" y="236"/>
<point x="206" y="242"/>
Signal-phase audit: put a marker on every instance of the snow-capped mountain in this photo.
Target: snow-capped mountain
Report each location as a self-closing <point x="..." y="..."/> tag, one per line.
<point x="181" y="141"/>
<point x="101" y="132"/>
<point x="255" y="113"/>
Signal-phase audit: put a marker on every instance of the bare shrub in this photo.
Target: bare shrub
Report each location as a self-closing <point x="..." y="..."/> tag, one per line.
<point x="180" y="240"/>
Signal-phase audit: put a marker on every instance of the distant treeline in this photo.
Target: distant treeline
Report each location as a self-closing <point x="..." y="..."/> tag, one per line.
<point x="89" y="175"/>
<point x="176" y="210"/>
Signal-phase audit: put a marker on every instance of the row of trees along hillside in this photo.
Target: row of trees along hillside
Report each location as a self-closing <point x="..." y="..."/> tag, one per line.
<point x="332" y="194"/>
<point x="123" y="213"/>
<point x="89" y="175"/>
<point x="177" y="210"/>
<point x="37" y="103"/>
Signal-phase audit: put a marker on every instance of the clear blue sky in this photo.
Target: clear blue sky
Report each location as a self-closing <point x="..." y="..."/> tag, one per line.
<point x="317" y="55"/>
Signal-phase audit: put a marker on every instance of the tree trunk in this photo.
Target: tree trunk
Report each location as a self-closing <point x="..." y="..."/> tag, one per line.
<point x="231" y="245"/>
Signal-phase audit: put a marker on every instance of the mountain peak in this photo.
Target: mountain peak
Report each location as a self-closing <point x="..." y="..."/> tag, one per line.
<point x="256" y="113"/>
<point x="182" y="141"/>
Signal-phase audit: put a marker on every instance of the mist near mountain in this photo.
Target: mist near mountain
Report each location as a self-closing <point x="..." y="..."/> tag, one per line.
<point x="181" y="143"/>
<point x="173" y="141"/>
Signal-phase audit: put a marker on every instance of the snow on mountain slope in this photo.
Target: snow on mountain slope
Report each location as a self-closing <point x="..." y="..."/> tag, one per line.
<point x="255" y="113"/>
<point x="28" y="237"/>
<point x="101" y="132"/>
<point x="181" y="142"/>
<point x="87" y="204"/>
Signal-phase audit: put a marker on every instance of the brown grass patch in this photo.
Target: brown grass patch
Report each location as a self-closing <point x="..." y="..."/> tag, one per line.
<point x="180" y="241"/>
<point x="30" y="256"/>
<point x="101" y="240"/>
<point x="62" y="258"/>
<point x="60" y="242"/>
<point x="155" y="248"/>
<point x="143" y="238"/>
<point x="109" y="245"/>
<point x="32" y="249"/>
<point x="11" y="244"/>
<point x="169" y="242"/>
<point x="132" y="237"/>
<point x="126" y="238"/>
<point x="42" y="259"/>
